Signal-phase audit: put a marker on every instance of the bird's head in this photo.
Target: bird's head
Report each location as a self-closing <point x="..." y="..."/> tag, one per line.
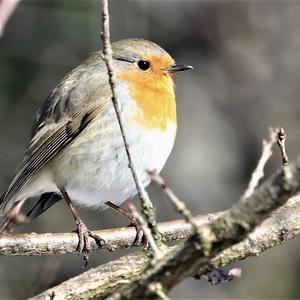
<point x="148" y="71"/>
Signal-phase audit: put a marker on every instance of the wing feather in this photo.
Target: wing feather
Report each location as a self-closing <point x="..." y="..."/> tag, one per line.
<point x="50" y="145"/>
<point x="67" y="111"/>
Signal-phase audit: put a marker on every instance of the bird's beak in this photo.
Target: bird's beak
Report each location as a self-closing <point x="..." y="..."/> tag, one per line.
<point x="178" y="68"/>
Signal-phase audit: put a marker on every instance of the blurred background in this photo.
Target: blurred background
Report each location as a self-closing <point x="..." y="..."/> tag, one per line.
<point x="246" y="58"/>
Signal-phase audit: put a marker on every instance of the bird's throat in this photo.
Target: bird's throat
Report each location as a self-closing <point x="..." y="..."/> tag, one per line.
<point x="154" y="96"/>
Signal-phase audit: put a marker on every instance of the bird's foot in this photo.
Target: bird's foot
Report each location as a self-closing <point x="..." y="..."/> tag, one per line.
<point x="140" y="236"/>
<point x="84" y="245"/>
<point x="133" y="223"/>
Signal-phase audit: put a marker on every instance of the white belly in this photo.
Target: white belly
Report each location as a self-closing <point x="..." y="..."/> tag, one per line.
<point x="96" y="170"/>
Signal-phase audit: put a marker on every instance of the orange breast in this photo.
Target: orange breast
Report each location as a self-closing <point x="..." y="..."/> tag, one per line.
<point x="153" y="92"/>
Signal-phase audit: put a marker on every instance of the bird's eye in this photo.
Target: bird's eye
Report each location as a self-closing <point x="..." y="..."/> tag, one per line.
<point x="143" y="65"/>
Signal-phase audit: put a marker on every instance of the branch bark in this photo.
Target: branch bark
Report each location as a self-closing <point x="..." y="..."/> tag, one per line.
<point x="219" y="234"/>
<point x="33" y="244"/>
<point x="282" y="226"/>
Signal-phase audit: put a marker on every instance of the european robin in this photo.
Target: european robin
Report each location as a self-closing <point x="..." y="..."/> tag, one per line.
<point x="76" y="150"/>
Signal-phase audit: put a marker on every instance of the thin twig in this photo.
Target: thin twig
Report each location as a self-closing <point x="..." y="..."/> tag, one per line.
<point x="258" y="173"/>
<point x="179" y="205"/>
<point x="216" y="276"/>
<point x="147" y="233"/>
<point x="7" y="8"/>
<point x="281" y="137"/>
<point x="147" y="205"/>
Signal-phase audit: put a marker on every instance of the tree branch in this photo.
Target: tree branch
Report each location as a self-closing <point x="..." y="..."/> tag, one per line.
<point x="33" y="244"/>
<point x="282" y="226"/>
<point x="219" y="234"/>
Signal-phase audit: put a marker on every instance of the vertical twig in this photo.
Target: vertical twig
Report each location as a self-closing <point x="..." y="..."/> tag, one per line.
<point x="258" y="173"/>
<point x="147" y="205"/>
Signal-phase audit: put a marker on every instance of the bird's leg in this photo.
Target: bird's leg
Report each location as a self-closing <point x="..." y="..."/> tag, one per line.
<point x="119" y="210"/>
<point x="132" y="220"/>
<point x="83" y="232"/>
<point x="14" y="215"/>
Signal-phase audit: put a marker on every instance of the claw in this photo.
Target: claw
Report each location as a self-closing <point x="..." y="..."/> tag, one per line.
<point x="84" y="233"/>
<point x="139" y="232"/>
<point x="84" y="246"/>
<point x="133" y="222"/>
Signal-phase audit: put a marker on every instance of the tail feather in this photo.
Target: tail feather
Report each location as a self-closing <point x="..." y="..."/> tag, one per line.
<point x="45" y="202"/>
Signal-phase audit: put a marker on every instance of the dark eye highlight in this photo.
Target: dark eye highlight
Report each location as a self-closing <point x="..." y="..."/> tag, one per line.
<point x="143" y="65"/>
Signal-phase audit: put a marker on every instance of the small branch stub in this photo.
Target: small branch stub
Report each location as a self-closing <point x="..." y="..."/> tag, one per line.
<point x="281" y="138"/>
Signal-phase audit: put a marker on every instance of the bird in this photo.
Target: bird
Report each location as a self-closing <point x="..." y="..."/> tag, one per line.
<point x="76" y="151"/>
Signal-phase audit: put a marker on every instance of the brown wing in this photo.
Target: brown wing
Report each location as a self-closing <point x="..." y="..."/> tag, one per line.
<point x="68" y="110"/>
<point x="48" y="146"/>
